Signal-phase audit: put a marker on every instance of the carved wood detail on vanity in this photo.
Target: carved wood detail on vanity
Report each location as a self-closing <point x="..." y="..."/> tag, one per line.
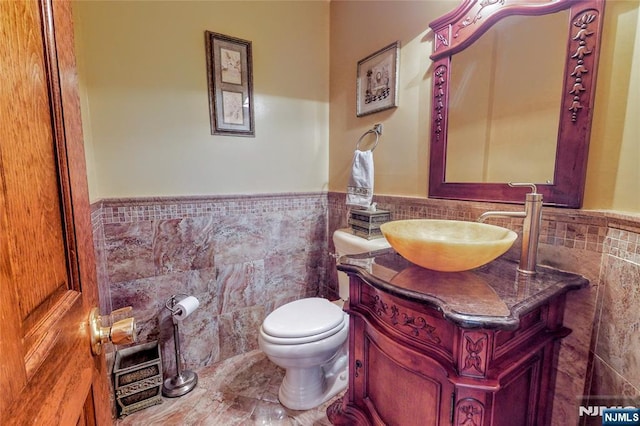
<point x="469" y="412"/>
<point x="406" y="320"/>
<point x="473" y="362"/>
<point x="401" y="318"/>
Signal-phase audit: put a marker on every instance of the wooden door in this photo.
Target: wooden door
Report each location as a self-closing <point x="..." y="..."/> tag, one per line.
<point x="48" y="375"/>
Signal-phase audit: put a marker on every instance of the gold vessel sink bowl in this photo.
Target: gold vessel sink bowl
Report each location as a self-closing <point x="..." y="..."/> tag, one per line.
<point x="447" y="245"/>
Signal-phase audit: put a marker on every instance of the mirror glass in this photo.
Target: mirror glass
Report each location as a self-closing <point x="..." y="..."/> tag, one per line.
<point x="505" y="100"/>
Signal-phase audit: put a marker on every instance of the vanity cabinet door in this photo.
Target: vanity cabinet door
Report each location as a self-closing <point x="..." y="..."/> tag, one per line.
<point x="396" y="385"/>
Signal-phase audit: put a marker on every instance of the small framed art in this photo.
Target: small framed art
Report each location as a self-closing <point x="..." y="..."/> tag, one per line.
<point x="377" y="81"/>
<point x="230" y="82"/>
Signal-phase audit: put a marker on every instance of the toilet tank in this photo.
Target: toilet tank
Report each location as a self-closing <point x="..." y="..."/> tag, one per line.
<point x="345" y="243"/>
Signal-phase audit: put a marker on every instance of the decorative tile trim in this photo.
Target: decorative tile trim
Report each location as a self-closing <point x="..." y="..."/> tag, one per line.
<point x="570" y="228"/>
<point x="130" y="210"/>
<point x="613" y="233"/>
<point x="623" y="244"/>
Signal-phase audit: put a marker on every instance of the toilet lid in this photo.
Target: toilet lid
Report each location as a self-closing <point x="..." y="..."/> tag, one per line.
<point x="304" y="317"/>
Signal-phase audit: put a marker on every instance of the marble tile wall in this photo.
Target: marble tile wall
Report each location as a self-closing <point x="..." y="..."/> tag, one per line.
<point x="241" y="256"/>
<point x="104" y="292"/>
<point x="615" y="358"/>
<point x="101" y="264"/>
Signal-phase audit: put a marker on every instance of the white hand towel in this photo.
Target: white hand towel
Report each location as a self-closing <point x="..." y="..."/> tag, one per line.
<point x="360" y="188"/>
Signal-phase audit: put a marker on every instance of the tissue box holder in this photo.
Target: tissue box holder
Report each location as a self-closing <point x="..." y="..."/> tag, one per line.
<point x="366" y="224"/>
<point x="138" y="377"/>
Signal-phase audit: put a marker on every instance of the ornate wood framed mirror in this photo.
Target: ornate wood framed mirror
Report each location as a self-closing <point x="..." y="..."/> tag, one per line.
<point x="522" y="69"/>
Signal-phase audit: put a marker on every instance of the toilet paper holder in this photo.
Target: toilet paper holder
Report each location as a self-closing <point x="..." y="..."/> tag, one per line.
<point x="178" y="308"/>
<point x="185" y="380"/>
<point x="172" y="301"/>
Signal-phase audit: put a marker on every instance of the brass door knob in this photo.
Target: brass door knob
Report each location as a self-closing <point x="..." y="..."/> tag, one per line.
<point x="121" y="332"/>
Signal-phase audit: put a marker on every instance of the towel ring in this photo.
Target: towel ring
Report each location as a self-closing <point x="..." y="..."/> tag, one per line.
<point x="377" y="130"/>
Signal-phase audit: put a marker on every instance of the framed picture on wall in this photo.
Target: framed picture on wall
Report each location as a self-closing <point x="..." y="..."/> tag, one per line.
<point x="230" y="81"/>
<point x="377" y="81"/>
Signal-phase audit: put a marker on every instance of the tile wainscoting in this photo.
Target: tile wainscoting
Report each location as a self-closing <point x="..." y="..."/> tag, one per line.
<point x="243" y="256"/>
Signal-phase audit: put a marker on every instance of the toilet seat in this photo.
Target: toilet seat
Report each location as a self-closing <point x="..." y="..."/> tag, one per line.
<point x="303" y="321"/>
<point x="283" y="341"/>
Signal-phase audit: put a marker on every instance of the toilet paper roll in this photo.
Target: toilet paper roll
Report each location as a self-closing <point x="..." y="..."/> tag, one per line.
<point x="185" y="307"/>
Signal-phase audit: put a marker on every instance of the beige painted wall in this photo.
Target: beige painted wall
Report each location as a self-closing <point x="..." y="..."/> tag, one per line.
<point x="145" y="107"/>
<point x="145" y="103"/>
<point x="359" y="28"/>
<point x="613" y="173"/>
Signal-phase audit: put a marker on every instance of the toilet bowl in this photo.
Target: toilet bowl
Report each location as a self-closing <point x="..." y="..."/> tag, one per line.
<point x="308" y="337"/>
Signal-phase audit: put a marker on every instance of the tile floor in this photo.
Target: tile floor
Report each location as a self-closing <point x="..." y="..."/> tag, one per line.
<point x="242" y="390"/>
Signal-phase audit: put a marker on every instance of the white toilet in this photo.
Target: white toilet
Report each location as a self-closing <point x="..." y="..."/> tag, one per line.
<point x="308" y="337"/>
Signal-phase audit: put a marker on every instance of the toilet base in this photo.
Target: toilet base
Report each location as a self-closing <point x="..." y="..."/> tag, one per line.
<point x="306" y="388"/>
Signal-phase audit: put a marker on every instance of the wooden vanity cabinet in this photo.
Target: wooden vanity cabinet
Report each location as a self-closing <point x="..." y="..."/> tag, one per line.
<point x="409" y="365"/>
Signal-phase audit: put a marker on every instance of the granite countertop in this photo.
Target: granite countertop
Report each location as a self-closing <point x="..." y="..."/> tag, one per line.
<point x="492" y="296"/>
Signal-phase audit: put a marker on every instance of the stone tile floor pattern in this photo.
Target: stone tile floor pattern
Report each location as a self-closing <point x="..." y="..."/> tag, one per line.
<point x="242" y="390"/>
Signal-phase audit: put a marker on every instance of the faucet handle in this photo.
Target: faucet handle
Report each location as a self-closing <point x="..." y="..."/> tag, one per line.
<point x="534" y="189"/>
<point x="534" y="195"/>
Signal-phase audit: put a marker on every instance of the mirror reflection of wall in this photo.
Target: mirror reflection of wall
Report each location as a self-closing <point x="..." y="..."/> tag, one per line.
<point x="504" y="102"/>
